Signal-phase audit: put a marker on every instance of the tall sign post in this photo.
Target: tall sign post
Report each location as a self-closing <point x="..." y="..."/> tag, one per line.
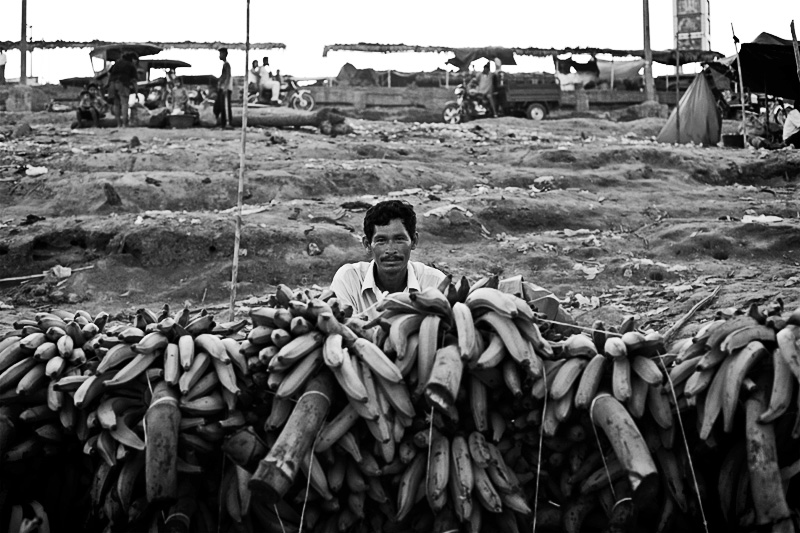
<point x="692" y="25"/>
<point x="649" y="87"/>
<point x="23" y="46"/>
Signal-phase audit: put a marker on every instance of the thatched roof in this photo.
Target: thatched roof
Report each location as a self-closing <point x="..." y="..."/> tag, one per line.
<point x="666" y="57"/>
<point x="188" y="45"/>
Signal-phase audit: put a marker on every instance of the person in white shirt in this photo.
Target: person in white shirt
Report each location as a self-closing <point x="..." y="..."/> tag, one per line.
<point x="390" y="234"/>
<point x="3" y="61"/>
<point x="791" y="128"/>
<point x="267" y="82"/>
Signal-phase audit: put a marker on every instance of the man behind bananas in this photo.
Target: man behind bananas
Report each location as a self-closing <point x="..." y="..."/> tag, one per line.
<point x="390" y="233"/>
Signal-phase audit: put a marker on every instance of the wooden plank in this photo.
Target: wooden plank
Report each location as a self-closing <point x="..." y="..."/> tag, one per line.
<point x="796" y="51"/>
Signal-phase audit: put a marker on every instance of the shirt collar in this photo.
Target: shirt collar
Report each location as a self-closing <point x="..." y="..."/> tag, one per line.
<point x="370" y="283"/>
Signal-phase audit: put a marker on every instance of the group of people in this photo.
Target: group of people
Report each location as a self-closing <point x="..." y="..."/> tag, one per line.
<point x="122" y="78"/>
<point x="488" y="84"/>
<point x="259" y="79"/>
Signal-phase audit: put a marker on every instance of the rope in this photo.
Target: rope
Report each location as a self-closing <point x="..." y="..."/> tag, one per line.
<point x="582" y="328"/>
<point x="219" y="494"/>
<point x="600" y="446"/>
<point x="539" y="456"/>
<point x="686" y="444"/>
<point x="278" y="514"/>
<point x="310" y="469"/>
<point x="430" y="442"/>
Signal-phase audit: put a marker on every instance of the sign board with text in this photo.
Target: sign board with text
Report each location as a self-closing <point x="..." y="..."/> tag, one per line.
<point x="691" y="24"/>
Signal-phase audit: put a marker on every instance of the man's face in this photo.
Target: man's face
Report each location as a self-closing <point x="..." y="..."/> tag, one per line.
<point x="391" y="247"/>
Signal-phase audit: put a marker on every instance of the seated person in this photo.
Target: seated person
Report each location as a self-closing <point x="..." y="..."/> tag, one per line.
<point x="180" y="100"/>
<point x="791" y="128"/>
<point x="253" y="76"/>
<point x="100" y="103"/>
<point x="390" y="234"/>
<point x="86" y="110"/>
<point x="267" y="83"/>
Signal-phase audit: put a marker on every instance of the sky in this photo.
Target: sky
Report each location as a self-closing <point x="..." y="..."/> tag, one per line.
<point x="306" y="26"/>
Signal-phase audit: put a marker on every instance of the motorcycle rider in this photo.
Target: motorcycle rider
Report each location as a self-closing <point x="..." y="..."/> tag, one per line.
<point x="267" y="82"/>
<point x="485" y="87"/>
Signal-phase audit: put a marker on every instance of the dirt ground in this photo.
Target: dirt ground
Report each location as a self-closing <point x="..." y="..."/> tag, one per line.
<point x="594" y="210"/>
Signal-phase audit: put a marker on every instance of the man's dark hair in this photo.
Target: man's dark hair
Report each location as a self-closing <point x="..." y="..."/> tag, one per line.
<point x="92" y="85"/>
<point x="382" y="213"/>
<point x="265" y="60"/>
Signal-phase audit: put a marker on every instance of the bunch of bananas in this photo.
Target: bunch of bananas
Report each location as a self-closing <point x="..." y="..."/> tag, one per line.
<point x="452" y="410"/>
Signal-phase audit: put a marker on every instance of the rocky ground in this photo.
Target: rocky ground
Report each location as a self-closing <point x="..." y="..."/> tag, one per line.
<point x="595" y="210"/>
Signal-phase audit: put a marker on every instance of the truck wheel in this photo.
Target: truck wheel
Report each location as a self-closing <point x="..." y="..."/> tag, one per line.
<point x="536" y="112"/>
<point x="451" y="114"/>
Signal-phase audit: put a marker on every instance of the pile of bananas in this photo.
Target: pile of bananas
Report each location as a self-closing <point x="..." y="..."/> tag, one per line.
<point x="451" y="410"/>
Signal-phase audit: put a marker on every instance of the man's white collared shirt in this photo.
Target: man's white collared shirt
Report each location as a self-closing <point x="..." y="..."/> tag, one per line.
<point x="355" y="283"/>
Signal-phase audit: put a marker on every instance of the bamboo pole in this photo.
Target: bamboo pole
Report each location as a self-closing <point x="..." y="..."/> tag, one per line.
<point x="23" y="45"/>
<point x="678" y="89"/>
<point x="796" y="53"/>
<point x="240" y="195"/>
<point x="649" y="89"/>
<point x="741" y="87"/>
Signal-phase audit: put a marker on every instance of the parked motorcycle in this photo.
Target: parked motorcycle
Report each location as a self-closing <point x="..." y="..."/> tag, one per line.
<point x="468" y="105"/>
<point x="291" y="95"/>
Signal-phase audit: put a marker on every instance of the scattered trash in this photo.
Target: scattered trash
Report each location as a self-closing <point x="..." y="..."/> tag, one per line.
<point x="443" y="210"/>
<point x="31" y="219"/>
<point x="591" y="272"/>
<point x="761" y="219"/>
<point x="35" y="171"/>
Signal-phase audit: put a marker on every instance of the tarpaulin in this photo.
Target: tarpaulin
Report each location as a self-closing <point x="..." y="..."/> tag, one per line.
<point x="465" y="56"/>
<point x="700" y="119"/>
<point x="623" y="70"/>
<point x="768" y="66"/>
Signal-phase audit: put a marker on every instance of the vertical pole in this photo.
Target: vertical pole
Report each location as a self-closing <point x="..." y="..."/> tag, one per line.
<point x="741" y="87"/>
<point x="447" y="78"/>
<point x="678" y="89"/>
<point x="649" y="91"/>
<point x="240" y="195"/>
<point x="796" y="54"/>
<point x="23" y="46"/>
<point x="612" y="72"/>
<point x="388" y="78"/>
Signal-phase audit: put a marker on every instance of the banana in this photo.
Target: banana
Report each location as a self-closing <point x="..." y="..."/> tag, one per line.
<point x="428" y="343"/>
<point x="200" y="324"/>
<point x="123" y="433"/>
<point x="519" y="348"/>
<point x="297" y="348"/>
<point x="762" y="462"/>
<point x="567" y="375"/>
<point x="409" y="485"/>
<point x="485" y="491"/>
<point x="109" y="409"/>
<point x="227" y="374"/>
<point x="186" y="351"/>
<point x="299" y="326"/>
<point x="465" y="329"/>
<point x="126" y="481"/>
<point x="191" y="376"/>
<point x="579" y="345"/>
<point x="377" y="361"/>
<point x="621" y="378"/>
<point x="503" y="478"/>
<point x="209" y="405"/>
<point x="115" y="356"/>
<point x="729" y="472"/>
<point x="740" y="338"/>
<point x="531" y="332"/>
<point x="90" y="390"/>
<point x="279" y="413"/>
<point x="615" y="347"/>
<point x="478" y="403"/>
<point x="397" y="395"/>
<point x="647" y="369"/>
<point x="150" y="343"/>
<point x="212" y="345"/>
<point x="407" y="362"/>
<point x="402" y="327"/>
<point x="70" y="383"/>
<point x="438" y="471"/>
<point x="134" y="368"/>
<point x="638" y="401"/>
<point x="576" y="511"/>
<point x="671" y="472"/>
<point x="13" y="374"/>
<point x="494" y="353"/>
<point x="46" y="351"/>
<point x="484" y="298"/>
<point x="263" y="316"/>
<point x="714" y="399"/>
<point x="512" y="378"/>
<point x="782" y="388"/>
<point x="332" y="350"/>
<point x="699" y="381"/>
<point x="171" y="364"/>
<point x="431" y="300"/>
<point x="55" y="399"/>
<point x="336" y="428"/>
<point x="787" y="342"/>
<point x="36" y="414"/>
<point x="312" y="470"/>
<point x="742" y="361"/>
<point x="32" y="381"/>
<point x="33" y="341"/>
<point x="590" y="381"/>
<point x="479" y="449"/>
<point x="203" y="386"/>
<point x="682" y="371"/>
<point x="349" y="380"/>
<point x="627" y="442"/>
<point x="659" y="406"/>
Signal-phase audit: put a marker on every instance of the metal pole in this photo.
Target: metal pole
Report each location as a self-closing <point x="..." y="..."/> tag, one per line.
<point x="23" y="46"/>
<point x="678" y="89"/>
<point x="240" y="195"/>
<point x="649" y="90"/>
<point x="741" y="86"/>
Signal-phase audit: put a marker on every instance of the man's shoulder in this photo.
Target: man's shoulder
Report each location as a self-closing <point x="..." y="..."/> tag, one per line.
<point x="432" y="275"/>
<point x="352" y="269"/>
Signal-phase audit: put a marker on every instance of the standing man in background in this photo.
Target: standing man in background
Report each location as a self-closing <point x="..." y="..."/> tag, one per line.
<point x="122" y="78"/>
<point x="3" y="61"/>
<point x="222" y="105"/>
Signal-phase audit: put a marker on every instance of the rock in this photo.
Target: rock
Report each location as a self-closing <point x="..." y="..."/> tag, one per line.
<point x="112" y="198"/>
<point x="134" y="142"/>
<point x="23" y="129"/>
